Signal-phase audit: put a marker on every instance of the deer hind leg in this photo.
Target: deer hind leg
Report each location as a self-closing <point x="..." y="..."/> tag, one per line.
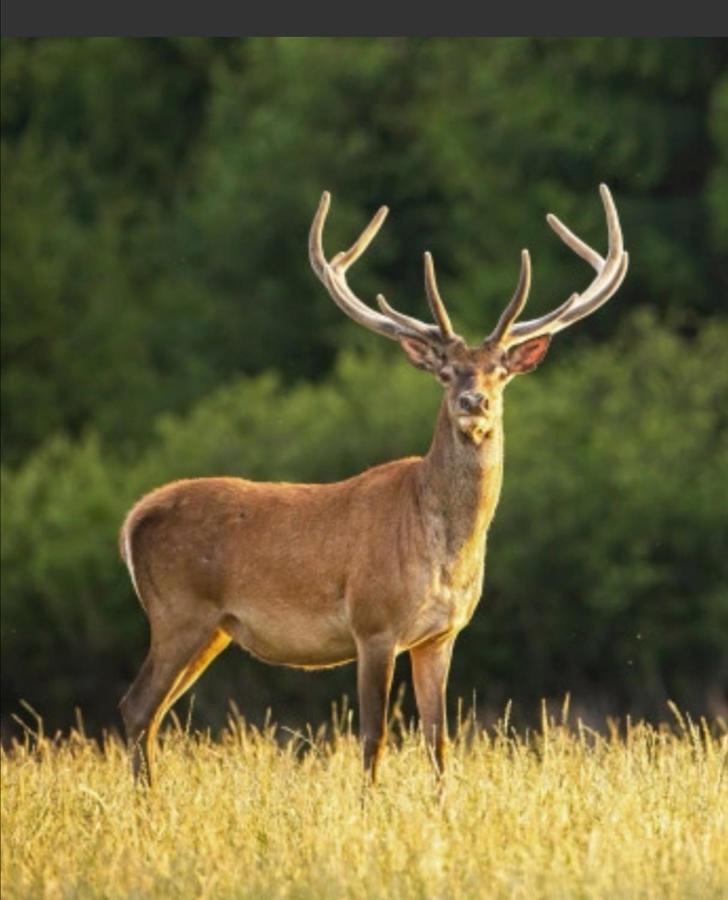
<point x="375" y="668"/>
<point x="219" y="641"/>
<point x="171" y="667"/>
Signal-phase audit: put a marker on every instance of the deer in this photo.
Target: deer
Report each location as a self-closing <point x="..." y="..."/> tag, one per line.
<point x="360" y="570"/>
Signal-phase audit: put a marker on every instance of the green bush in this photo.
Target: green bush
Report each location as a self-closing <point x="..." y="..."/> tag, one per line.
<point x="606" y="567"/>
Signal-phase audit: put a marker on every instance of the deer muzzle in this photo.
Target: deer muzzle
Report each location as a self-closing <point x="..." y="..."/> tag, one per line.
<point x="473" y="403"/>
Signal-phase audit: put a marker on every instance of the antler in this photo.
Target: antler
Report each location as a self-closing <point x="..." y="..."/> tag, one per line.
<point x="610" y="274"/>
<point x="389" y="322"/>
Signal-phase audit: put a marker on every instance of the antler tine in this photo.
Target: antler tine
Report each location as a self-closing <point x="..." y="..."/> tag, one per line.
<point x="443" y="331"/>
<point x="610" y="275"/>
<point x="350" y="256"/>
<point x="315" y="235"/>
<point x="430" y="332"/>
<point x="516" y="303"/>
<point x="343" y="260"/>
<point x="437" y="305"/>
<point x="333" y="274"/>
<point x="616" y="245"/>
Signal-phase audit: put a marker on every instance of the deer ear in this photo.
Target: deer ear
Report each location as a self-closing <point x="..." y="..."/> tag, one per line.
<point x="526" y="356"/>
<point x="421" y="354"/>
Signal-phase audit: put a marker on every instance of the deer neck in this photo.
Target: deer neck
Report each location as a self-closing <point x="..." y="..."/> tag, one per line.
<point x="460" y="483"/>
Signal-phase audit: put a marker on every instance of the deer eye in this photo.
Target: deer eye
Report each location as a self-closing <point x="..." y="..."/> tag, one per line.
<point x="446" y="374"/>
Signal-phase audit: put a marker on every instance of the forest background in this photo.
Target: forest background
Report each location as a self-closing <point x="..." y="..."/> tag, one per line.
<point x="160" y="320"/>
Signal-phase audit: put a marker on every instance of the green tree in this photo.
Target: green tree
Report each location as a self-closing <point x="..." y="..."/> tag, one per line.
<point x="157" y="195"/>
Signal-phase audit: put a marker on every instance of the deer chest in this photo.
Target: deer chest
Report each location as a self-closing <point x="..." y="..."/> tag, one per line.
<point x="450" y="593"/>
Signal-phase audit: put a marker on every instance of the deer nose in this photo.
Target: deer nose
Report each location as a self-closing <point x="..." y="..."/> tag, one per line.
<point x="473" y="402"/>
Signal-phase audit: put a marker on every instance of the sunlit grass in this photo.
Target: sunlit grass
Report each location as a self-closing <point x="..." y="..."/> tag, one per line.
<point x="561" y="812"/>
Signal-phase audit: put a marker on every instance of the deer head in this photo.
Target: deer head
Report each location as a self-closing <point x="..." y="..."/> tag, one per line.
<point x="473" y="377"/>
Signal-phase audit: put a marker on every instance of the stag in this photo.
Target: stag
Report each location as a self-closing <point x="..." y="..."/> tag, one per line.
<point x="390" y="560"/>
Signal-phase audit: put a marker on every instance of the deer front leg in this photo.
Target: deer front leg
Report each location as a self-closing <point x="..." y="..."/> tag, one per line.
<point x="430" y="668"/>
<point x="374" y="680"/>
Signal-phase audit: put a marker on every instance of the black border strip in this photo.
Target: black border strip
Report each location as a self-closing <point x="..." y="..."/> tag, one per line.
<point x="215" y="18"/>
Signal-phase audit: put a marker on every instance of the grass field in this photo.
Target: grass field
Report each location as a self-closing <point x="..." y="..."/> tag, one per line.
<point x="560" y="812"/>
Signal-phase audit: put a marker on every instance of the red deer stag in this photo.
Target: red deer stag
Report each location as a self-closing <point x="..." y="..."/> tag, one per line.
<point x="317" y="575"/>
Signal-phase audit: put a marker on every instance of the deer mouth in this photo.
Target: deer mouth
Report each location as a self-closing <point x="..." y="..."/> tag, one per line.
<point x="476" y="427"/>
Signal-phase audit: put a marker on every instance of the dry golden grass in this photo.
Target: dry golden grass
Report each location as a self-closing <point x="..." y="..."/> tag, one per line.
<point x="558" y="813"/>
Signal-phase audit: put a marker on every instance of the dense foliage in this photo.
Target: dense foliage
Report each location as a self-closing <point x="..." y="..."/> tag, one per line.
<point x="160" y="320"/>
